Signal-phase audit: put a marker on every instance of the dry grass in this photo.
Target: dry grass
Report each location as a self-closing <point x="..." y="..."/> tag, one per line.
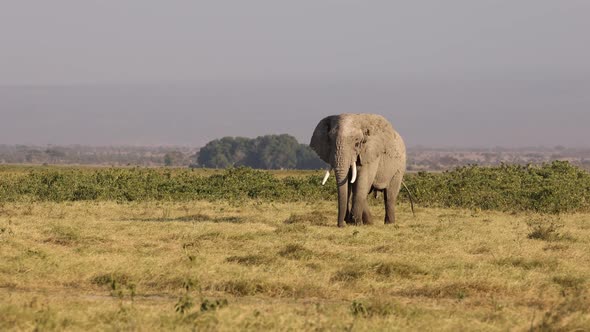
<point x="263" y="266"/>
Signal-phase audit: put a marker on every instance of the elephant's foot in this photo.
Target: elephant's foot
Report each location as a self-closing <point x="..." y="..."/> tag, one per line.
<point x="389" y="220"/>
<point x="357" y="221"/>
<point x="367" y="219"/>
<point x="364" y="219"/>
<point x="349" y="219"/>
<point x="341" y="224"/>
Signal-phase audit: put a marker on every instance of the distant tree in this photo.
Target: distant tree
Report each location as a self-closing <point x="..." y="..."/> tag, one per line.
<point x="174" y="158"/>
<point x="55" y="153"/>
<point x="225" y="152"/>
<point x="167" y="160"/>
<point x="276" y="151"/>
<point x="265" y="152"/>
<point x="308" y="159"/>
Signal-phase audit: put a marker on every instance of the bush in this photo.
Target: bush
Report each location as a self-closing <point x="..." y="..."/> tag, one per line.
<point x="553" y="188"/>
<point x="545" y="228"/>
<point x="136" y="184"/>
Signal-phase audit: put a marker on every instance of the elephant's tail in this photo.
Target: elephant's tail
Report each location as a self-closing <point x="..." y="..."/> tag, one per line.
<point x="411" y="198"/>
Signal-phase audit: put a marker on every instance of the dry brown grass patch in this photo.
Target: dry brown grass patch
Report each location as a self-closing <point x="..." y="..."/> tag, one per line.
<point x="251" y="287"/>
<point x="314" y="218"/>
<point x="350" y="273"/>
<point x="480" y="249"/>
<point x="555" y="247"/>
<point x="570" y="282"/>
<point x="398" y="269"/>
<point x="296" y="251"/>
<point x="109" y="278"/>
<point x="528" y="264"/>
<point x="291" y="228"/>
<point x="251" y="260"/>
<point x="384" y="308"/>
<point x="63" y="235"/>
<point x="452" y="290"/>
<point x="383" y="249"/>
<point x="571" y="314"/>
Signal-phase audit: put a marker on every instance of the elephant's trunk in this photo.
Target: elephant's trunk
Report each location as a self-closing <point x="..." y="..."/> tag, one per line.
<point x="342" y="180"/>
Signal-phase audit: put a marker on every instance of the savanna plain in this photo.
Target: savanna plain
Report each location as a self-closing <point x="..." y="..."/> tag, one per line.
<point x="91" y="249"/>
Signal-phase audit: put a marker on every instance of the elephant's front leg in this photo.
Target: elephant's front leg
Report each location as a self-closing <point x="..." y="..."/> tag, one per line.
<point x="348" y="217"/>
<point x="367" y="218"/>
<point x="360" y="207"/>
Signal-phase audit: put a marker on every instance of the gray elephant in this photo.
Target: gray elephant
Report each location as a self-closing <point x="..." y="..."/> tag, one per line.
<point x="367" y="155"/>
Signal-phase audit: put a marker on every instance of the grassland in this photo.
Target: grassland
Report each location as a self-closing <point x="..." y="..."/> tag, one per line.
<point x="260" y="261"/>
<point x="280" y="266"/>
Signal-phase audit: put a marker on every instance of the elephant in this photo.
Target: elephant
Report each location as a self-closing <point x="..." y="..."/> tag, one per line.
<point x="367" y="155"/>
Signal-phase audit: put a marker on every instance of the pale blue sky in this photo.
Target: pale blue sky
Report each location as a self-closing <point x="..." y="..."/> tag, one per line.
<point x="457" y="72"/>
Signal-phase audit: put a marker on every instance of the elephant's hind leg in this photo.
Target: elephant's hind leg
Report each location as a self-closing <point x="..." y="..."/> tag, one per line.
<point x="390" y="198"/>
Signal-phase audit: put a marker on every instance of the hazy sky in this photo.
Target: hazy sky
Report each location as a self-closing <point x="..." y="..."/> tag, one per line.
<point x="456" y="72"/>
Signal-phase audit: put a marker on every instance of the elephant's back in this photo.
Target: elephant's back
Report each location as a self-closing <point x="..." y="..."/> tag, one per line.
<point x="376" y="123"/>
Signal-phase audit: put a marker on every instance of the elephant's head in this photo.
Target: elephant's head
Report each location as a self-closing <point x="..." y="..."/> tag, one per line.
<point x="347" y="140"/>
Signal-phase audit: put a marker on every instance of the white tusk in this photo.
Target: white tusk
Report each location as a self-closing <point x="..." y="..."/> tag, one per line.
<point x="326" y="177"/>
<point x="353" y="172"/>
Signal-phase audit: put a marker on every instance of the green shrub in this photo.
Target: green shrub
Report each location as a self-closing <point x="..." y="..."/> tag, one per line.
<point x="545" y="228"/>
<point x="553" y="188"/>
<point x="212" y="305"/>
<point x="558" y="187"/>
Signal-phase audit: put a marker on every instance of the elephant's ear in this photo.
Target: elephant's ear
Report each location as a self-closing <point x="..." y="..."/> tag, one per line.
<point x="320" y="140"/>
<point x="376" y="142"/>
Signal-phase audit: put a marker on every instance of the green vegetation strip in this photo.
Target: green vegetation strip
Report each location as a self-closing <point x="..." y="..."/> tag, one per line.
<point x="558" y="187"/>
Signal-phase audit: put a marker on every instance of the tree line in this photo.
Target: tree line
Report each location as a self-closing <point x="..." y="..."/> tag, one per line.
<point x="97" y="155"/>
<point x="263" y="152"/>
